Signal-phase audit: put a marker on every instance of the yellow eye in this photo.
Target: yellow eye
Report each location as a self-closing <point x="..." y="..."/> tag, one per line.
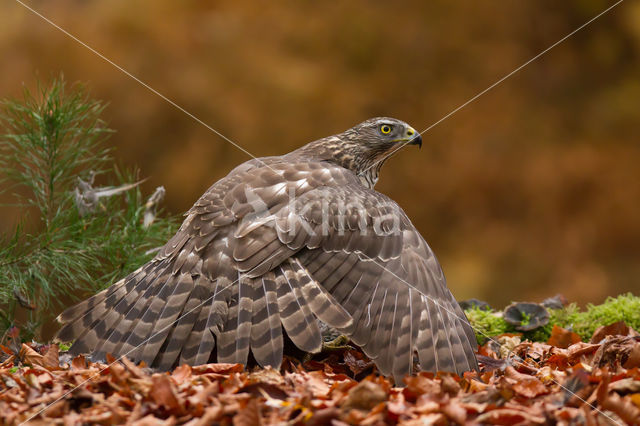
<point x="385" y="129"/>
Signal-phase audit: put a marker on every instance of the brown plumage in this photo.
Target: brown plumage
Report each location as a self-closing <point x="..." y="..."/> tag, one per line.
<point x="275" y="246"/>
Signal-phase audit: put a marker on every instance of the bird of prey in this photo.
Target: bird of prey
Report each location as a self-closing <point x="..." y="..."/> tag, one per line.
<point x="278" y="245"/>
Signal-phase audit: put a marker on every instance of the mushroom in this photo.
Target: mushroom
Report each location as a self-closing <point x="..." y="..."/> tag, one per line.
<point x="526" y="316"/>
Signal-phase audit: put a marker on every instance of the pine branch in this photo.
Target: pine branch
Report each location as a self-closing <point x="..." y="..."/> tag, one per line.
<point x="53" y="147"/>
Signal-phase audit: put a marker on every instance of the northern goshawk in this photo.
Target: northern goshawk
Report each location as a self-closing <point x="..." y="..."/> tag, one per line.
<point x="278" y="244"/>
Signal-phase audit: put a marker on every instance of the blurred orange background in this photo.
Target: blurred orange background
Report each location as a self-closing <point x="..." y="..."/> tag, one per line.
<point x="531" y="190"/>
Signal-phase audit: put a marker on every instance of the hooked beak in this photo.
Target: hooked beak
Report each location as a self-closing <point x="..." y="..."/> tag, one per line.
<point x="412" y="137"/>
<point x="417" y="140"/>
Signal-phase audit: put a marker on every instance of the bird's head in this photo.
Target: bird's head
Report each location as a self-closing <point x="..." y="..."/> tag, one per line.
<point x="380" y="136"/>
<point x="366" y="146"/>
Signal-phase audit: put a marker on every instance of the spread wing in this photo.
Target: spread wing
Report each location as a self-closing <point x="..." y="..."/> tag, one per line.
<point x="275" y="245"/>
<point x="361" y="247"/>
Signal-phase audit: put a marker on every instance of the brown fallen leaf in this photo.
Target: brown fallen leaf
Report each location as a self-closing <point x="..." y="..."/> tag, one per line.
<point x="181" y="373"/>
<point x="357" y="362"/>
<point x="581" y="349"/>
<point x="151" y="420"/>
<point x="249" y="415"/>
<point x="508" y="416"/>
<point x="210" y="416"/>
<point x="419" y="385"/>
<point x="218" y="368"/>
<point x="633" y="360"/>
<point x="559" y="361"/>
<point x="164" y="393"/>
<point x="576" y="385"/>
<point x="364" y="396"/>
<point x="29" y="356"/>
<point x="325" y="416"/>
<point x="525" y="385"/>
<point x="79" y="363"/>
<point x="267" y="375"/>
<point x="449" y="385"/>
<point x="623" y="407"/>
<point x="454" y="411"/>
<point x="562" y="338"/>
<point x="51" y="358"/>
<point x="625" y="386"/>
<point x="314" y="381"/>
<point x="615" y="329"/>
<point x="135" y="370"/>
<point x="614" y="350"/>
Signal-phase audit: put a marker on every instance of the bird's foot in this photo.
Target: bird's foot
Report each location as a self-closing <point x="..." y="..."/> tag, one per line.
<point x="340" y="342"/>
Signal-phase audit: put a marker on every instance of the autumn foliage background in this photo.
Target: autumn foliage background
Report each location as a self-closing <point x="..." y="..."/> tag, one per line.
<point x="531" y="190"/>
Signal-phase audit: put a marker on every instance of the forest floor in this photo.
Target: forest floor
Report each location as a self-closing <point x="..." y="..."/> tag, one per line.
<point x="562" y="381"/>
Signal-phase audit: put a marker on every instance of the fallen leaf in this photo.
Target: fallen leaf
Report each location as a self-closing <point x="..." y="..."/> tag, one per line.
<point x="449" y="385"/>
<point x="79" y="363"/>
<point x="508" y="343"/>
<point x="562" y="337"/>
<point x="135" y="370"/>
<point x="356" y="362"/>
<point x="218" y="368"/>
<point x="249" y="415"/>
<point x="455" y="412"/>
<point x="633" y="360"/>
<point x="559" y="361"/>
<point x="164" y="393"/>
<point x="623" y="407"/>
<point x="615" y="329"/>
<point x="364" y="396"/>
<point x="51" y="358"/>
<point x="419" y="385"/>
<point x="635" y="398"/>
<point x="525" y="385"/>
<point x="614" y="349"/>
<point x="315" y="382"/>
<point x="508" y="416"/>
<point x="267" y="375"/>
<point x="625" y="386"/>
<point x="181" y="373"/>
<point x="150" y="420"/>
<point x="580" y="349"/>
<point x="324" y="416"/>
<point x="30" y="356"/>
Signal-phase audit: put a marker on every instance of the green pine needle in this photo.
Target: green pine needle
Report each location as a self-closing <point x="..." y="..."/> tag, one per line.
<point x="51" y="139"/>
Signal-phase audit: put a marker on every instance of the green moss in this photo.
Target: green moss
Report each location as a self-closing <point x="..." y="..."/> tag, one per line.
<point x="63" y="347"/>
<point x="486" y="323"/>
<point x="625" y="307"/>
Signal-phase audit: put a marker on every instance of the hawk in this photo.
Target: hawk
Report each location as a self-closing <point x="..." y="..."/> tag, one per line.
<point x="275" y="247"/>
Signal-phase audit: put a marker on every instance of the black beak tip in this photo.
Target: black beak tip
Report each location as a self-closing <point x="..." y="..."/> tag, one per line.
<point x="417" y="141"/>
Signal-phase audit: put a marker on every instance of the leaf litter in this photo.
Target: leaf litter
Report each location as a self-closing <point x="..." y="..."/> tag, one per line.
<point x="563" y="381"/>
